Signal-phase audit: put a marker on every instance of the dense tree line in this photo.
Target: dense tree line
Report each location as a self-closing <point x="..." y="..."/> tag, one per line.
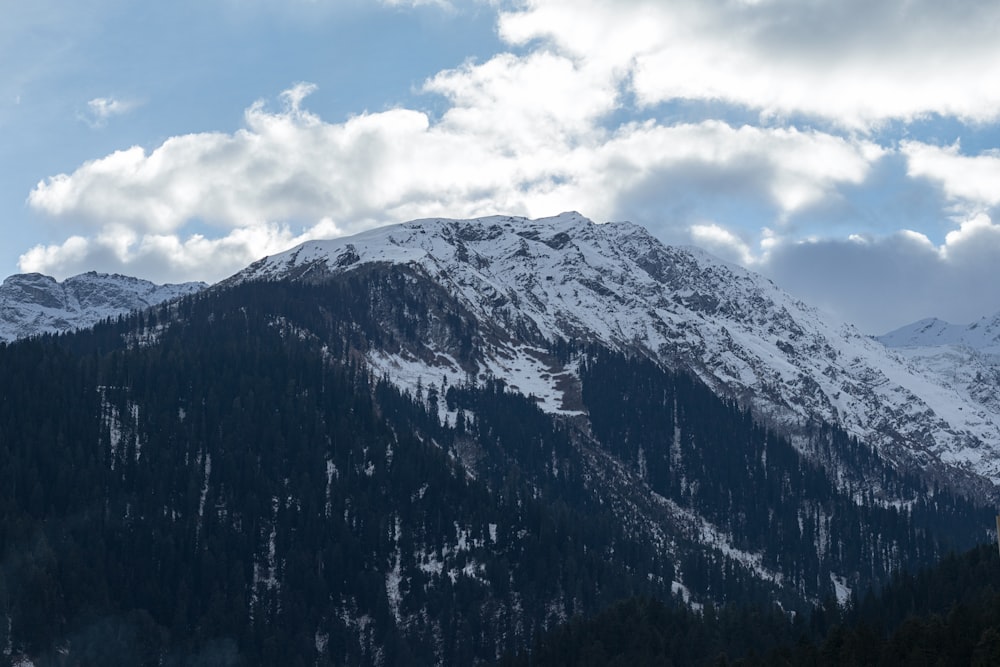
<point x="643" y="632"/>
<point x="948" y="614"/>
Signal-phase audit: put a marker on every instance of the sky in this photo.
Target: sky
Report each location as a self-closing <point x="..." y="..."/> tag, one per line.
<point x="847" y="149"/>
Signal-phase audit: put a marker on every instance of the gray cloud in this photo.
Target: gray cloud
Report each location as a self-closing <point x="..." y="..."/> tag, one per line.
<point x="881" y="284"/>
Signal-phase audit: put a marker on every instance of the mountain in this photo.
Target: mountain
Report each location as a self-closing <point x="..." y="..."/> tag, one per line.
<point x="336" y="467"/>
<point x="928" y="404"/>
<point x="963" y="360"/>
<point x="531" y="282"/>
<point x="982" y="336"/>
<point x="31" y="303"/>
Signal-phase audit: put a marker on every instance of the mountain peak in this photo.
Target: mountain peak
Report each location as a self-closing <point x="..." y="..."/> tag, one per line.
<point x="982" y="335"/>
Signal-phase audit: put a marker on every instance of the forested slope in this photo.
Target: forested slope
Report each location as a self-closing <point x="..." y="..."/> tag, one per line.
<point x="224" y="480"/>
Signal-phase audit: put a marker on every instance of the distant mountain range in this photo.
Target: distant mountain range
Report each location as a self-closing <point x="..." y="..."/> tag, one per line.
<point x="31" y="303"/>
<point x="982" y="336"/>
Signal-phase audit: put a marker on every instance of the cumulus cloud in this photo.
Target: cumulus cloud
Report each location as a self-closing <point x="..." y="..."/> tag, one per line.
<point x="493" y="150"/>
<point x="853" y="62"/>
<point x="969" y="179"/>
<point x="168" y="257"/>
<point x="443" y="4"/>
<point x="723" y="242"/>
<point x="694" y="164"/>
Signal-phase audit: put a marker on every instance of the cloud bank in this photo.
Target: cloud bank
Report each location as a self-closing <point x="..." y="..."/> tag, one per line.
<point x="884" y="283"/>
<point x="492" y="151"/>
<point x="852" y="62"/>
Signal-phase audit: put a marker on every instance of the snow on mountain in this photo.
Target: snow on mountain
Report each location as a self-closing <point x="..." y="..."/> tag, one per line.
<point x="982" y="336"/>
<point x="964" y="359"/>
<point x="32" y="303"/>
<point x="567" y="277"/>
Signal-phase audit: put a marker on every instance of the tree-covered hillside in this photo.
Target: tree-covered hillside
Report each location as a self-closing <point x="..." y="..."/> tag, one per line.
<point x="222" y="480"/>
<point x="948" y="614"/>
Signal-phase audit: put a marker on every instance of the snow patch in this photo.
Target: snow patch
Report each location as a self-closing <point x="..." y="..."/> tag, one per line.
<point x="708" y="534"/>
<point x="207" y="473"/>
<point x="677" y="588"/>
<point x="841" y="589"/>
<point x="331" y="474"/>
<point x="394" y="577"/>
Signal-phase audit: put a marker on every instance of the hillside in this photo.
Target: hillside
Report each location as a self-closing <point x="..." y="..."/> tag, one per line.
<point x="226" y="478"/>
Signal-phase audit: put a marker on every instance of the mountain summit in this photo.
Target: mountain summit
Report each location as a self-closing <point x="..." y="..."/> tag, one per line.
<point x="565" y="277"/>
<point x="982" y="335"/>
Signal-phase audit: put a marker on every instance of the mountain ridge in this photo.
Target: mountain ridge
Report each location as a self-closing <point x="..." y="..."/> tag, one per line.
<point x="962" y="359"/>
<point x="566" y="277"/>
<point x="982" y="335"/>
<point x="925" y="404"/>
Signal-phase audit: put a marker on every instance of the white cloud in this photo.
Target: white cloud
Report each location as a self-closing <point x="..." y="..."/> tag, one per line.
<point x="685" y="174"/>
<point x="443" y="4"/>
<point x="100" y="109"/>
<point x="494" y="150"/>
<point x="526" y="102"/>
<point x="722" y="242"/>
<point x="971" y="179"/>
<point x="976" y="239"/>
<point x="854" y="62"/>
<point x="293" y="96"/>
<point x="168" y="257"/>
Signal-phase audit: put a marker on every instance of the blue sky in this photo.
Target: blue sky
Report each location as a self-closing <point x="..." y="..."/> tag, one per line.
<point x="849" y="150"/>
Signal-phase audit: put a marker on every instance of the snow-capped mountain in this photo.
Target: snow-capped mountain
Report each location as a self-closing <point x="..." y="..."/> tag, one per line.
<point x="445" y="524"/>
<point x="964" y="359"/>
<point x="982" y="336"/>
<point x="32" y="303"/>
<point x="565" y="277"/>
